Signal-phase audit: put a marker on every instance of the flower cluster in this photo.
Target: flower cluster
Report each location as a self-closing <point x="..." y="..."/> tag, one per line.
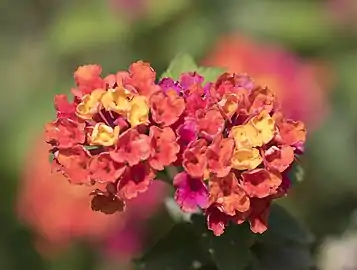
<point x="233" y="145"/>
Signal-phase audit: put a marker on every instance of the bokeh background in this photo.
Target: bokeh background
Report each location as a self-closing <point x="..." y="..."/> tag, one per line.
<point x="306" y="50"/>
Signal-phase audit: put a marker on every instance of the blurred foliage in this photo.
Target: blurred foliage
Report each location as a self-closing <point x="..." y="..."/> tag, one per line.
<point x="43" y="41"/>
<point x="287" y="242"/>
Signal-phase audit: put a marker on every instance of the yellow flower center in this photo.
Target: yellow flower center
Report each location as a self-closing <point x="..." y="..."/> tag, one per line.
<point x="245" y="136"/>
<point x="246" y="159"/>
<point x="104" y="135"/>
<point x="90" y="104"/>
<point x="229" y="104"/>
<point x="139" y="111"/>
<point x="265" y="125"/>
<point x="117" y="100"/>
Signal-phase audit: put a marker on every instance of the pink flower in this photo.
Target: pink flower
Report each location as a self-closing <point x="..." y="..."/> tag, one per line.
<point x="191" y="192"/>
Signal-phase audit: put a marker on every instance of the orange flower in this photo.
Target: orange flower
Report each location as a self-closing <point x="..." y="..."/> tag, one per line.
<point x="166" y="108"/>
<point x="194" y="158"/>
<point x="103" y="169"/>
<point x="219" y="155"/>
<point x="279" y="158"/>
<point x="261" y="99"/>
<point x="88" y="79"/>
<point x="229" y="104"/>
<point x="164" y="147"/>
<point x="291" y="133"/>
<point x="260" y="183"/>
<point x="210" y="123"/>
<point x="228" y="194"/>
<point x="132" y="147"/>
<point x="142" y="78"/>
<point x="62" y="213"/>
<point x="136" y="179"/>
<point x="74" y="164"/>
<point x="64" y="133"/>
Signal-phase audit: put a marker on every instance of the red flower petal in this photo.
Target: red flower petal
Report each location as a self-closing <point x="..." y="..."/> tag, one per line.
<point x="166" y="108"/>
<point x="73" y="163"/>
<point x="216" y="220"/>
<point x="261" y="99"/>
<point x="194" y="158"/>
<point x="291" y="133"/>
<point x="261" y="183"/>
<point x="210" y="123"/>
<point x="64" y="133"/>
<point x="64" y="108"/>
<point x="142" y="78"/>
<point x="258" y="218"/>
<point x="164" y="147"/>
<point x="219" y="155"/>
<point x="88" y="79"/>
<point x="103" y="169"/>
<point x="135" y="180"/>
<point x="279" y="158"/>
<point x="227" y="193"/>
<point x="132" y="147"/>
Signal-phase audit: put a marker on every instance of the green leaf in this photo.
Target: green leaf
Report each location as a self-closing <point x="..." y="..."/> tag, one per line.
<point x="210" y="73"/>
<point x="230" y="251"/>
<point x="296" y="174"/>
<point x="180" y="64"/>
<point x="91" y="147"/>
<point x="278" y="257"/>
<point x="287" y="242"/>
<point x="285" y="228"/>
<point x="179" y="249"/>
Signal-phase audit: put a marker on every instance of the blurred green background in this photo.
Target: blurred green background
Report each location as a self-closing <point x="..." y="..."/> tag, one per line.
<point x="306" y="48"/>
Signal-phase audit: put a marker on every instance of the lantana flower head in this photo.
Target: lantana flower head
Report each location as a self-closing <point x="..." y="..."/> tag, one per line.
<point x="228" y="138"/>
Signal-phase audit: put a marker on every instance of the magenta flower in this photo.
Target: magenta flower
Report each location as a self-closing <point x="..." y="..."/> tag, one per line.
<point x="191" y="192"/>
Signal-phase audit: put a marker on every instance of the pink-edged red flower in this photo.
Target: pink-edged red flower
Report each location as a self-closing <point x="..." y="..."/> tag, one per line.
<point x="233" y="143"/>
